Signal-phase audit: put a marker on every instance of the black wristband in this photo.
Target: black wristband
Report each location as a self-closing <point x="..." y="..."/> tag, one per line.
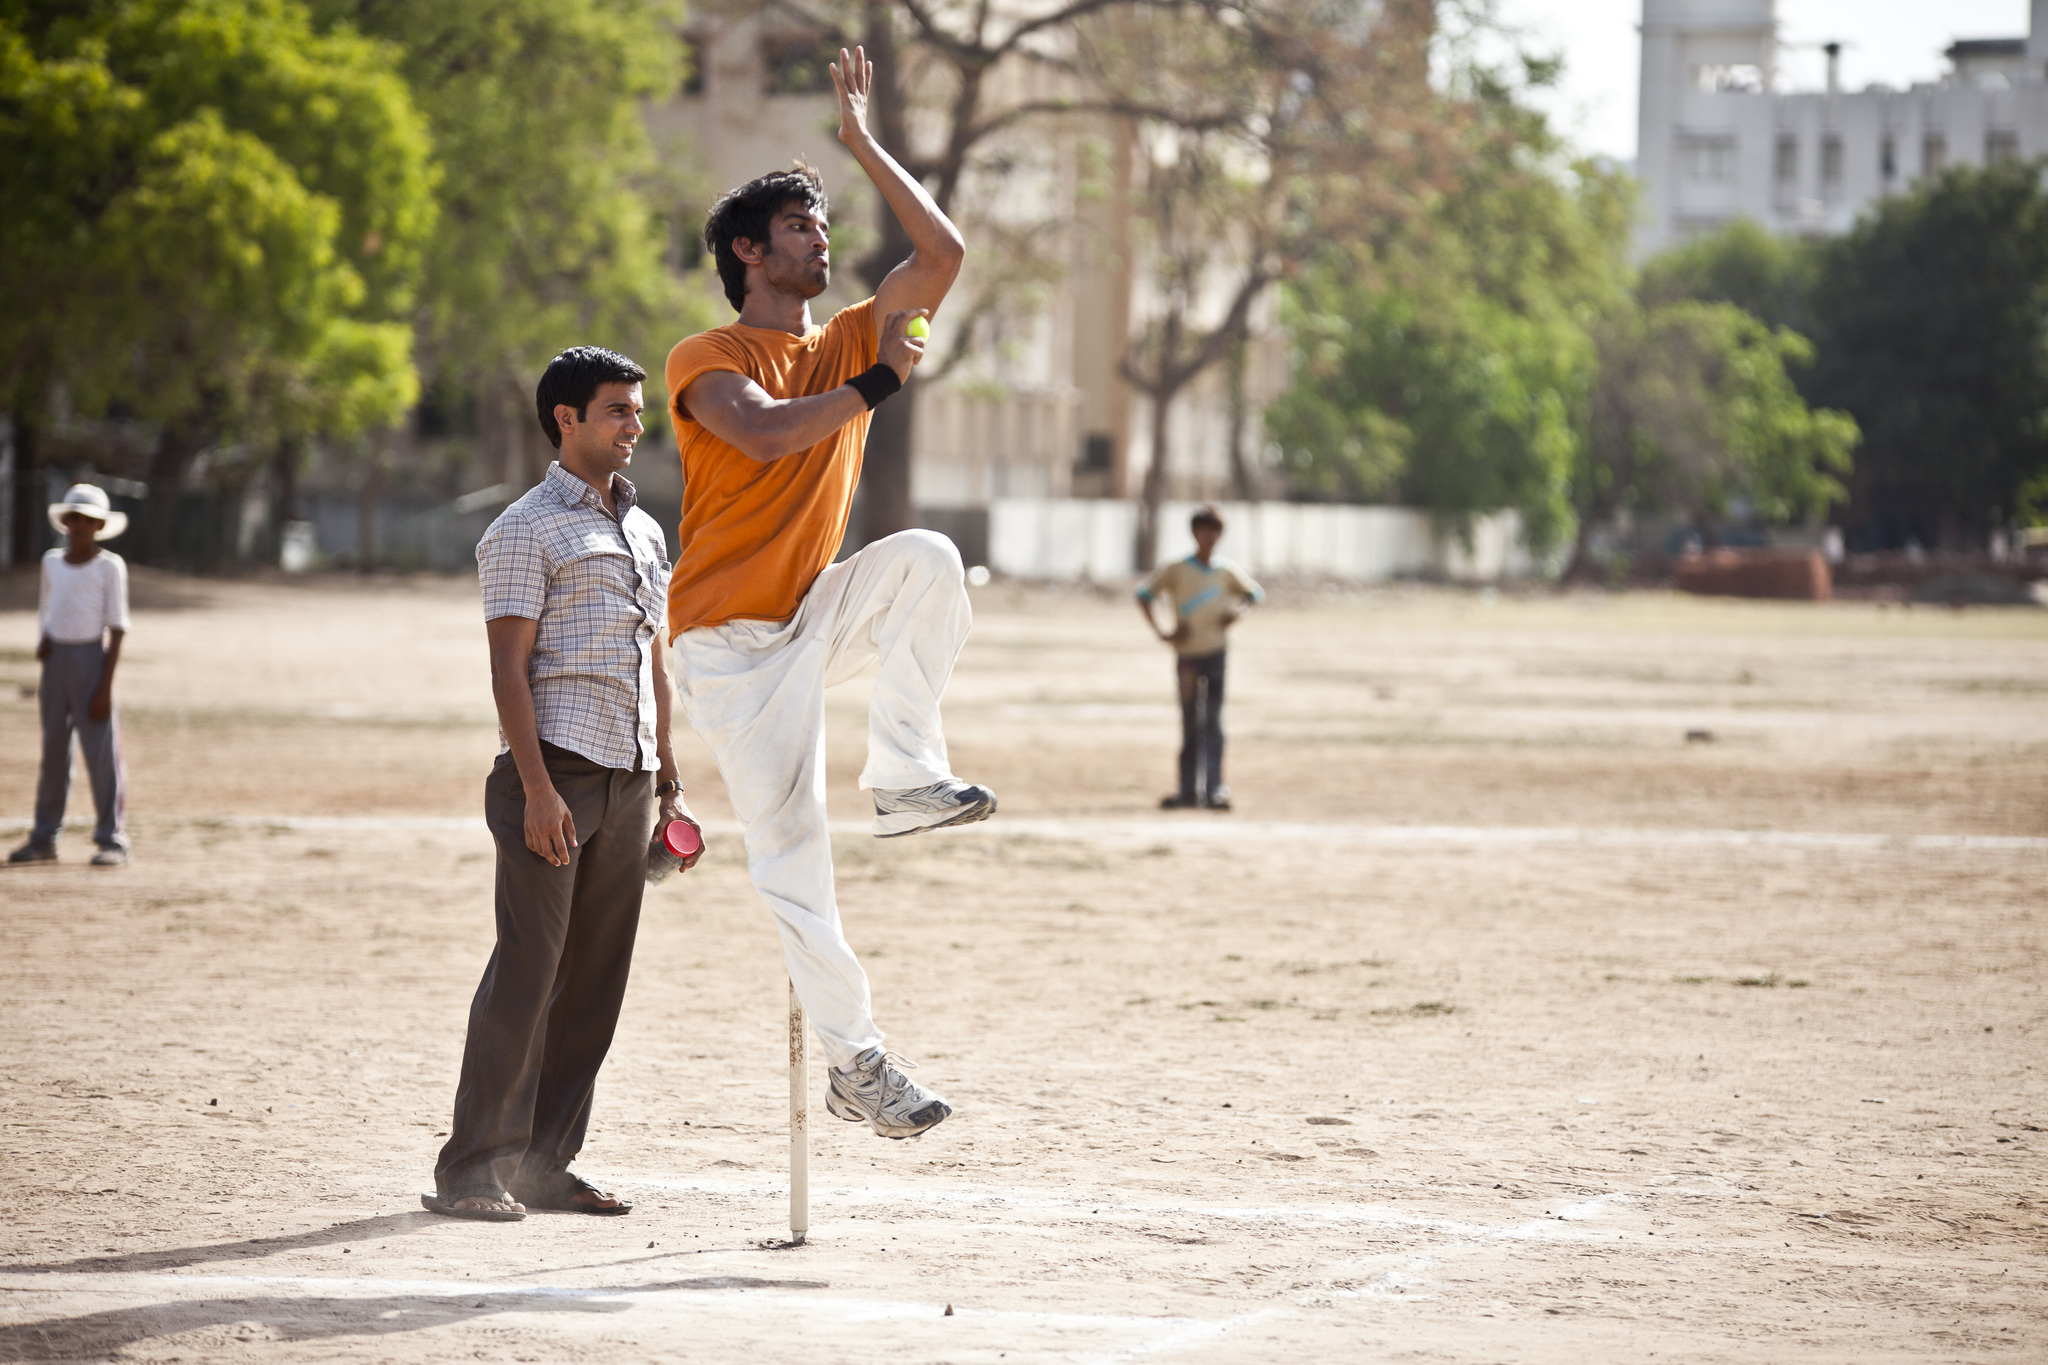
<point x="875" y="384"/>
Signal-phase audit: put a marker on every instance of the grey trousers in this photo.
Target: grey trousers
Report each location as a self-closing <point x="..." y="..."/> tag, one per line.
<point x="543" y="1016"/>
<point x="70" y="675"/>
<point x="1200" y="678"/>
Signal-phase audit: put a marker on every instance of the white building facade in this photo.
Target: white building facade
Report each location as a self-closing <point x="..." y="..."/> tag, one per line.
<point x="1718" y="141"/>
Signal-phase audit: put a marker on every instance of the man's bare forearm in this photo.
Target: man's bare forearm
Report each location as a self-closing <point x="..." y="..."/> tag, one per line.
<point x="513" y="693"/>
<point x="1145" y="610"/>
<point x="664" y="706"/>
<point x="739" y="412"/>
<point x="933" y="238"/>
<point x="794" y="424"/>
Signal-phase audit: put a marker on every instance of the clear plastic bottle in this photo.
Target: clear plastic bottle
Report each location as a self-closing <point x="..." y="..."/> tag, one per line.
<point x="672" y="843"/>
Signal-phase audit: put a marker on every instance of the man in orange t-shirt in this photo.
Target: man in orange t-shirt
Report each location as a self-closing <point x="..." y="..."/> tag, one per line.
<point x="771" y="414"/>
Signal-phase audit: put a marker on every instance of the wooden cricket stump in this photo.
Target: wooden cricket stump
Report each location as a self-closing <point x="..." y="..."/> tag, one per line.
<point x="799" y="1123"/>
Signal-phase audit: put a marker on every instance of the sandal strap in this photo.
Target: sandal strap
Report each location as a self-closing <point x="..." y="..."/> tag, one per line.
<point x="564" y="1185"/>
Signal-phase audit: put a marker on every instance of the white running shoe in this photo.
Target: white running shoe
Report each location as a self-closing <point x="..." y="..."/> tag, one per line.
<point x="951" y="802"/>
<point x="876" y="1093"/>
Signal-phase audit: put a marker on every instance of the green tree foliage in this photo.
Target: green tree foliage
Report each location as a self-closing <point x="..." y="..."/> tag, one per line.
<point x="1267" y="133"/>
<point x="1693" y="408"/>
<point x="1931" y="319"/>
<point x="546" y="237"/>
<point x="1453" y="373"/>
<point x="223" y="216"/>
<point x="1766" y="275"/>
<point x="1496" y="356"/>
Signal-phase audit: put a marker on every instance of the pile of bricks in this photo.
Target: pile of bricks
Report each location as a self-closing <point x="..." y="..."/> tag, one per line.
<point x="1800" y="575"/>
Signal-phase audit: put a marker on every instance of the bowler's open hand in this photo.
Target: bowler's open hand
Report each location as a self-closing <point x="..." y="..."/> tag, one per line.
<point x="852" y="76"/>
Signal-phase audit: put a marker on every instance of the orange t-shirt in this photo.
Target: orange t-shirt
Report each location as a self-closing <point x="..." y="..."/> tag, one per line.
<point x="755" y="534"/>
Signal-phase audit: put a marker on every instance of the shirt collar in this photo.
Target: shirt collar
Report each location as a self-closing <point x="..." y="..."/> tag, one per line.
<point x="576" y="493"/>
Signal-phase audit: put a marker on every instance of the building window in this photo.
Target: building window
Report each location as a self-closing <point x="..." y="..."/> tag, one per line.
<point x="1933" y="154"/>
<point x="2001" y="144"/>
<point x="1888" y="160"/>
<point x="1708" y="160"/>
<point x="1831" y="160"/>
<point x="1785" y="172"/>
<point x="1098" y="453"/>
<point x="1720" y="78"/>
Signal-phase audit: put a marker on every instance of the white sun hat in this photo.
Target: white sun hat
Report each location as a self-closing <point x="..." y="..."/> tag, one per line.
<point x="89" y="500"/>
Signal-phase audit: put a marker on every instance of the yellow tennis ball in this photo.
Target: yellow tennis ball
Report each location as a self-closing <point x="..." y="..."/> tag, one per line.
<point x="919" y="328"/>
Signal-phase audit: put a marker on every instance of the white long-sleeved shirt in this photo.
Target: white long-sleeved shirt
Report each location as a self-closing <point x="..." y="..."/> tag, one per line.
<point x="81" y="601"/>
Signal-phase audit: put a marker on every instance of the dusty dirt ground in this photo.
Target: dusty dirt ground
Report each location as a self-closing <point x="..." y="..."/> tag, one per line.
<point x="1498" y="1023"/>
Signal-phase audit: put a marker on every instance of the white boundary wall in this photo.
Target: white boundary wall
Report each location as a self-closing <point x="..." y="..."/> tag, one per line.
<point x="1070" y="539"/>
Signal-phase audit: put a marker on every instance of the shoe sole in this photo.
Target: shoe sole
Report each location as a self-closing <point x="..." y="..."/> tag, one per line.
<point x="926" y="1119"/>
<point x="966" y="815"/>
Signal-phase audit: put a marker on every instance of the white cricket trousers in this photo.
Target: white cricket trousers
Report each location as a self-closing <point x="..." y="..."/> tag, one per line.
<point x="755" y="692"/>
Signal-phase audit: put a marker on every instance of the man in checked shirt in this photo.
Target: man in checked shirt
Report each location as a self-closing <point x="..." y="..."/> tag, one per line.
<point x="575" y="592"/>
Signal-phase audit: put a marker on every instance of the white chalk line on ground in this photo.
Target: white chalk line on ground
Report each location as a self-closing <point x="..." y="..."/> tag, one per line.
<point x="1210" y="829"/>
<point x="996" y="1199"/>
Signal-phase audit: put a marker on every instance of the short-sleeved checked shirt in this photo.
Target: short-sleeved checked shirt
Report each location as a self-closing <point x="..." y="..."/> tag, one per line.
<point x="598" y="589"/>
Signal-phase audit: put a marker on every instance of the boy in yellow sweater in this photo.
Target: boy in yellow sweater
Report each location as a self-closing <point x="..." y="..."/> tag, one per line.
<point x="1209" y="593"/>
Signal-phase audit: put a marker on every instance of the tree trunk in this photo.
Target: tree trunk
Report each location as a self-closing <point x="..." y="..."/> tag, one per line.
<point x="885" y="506"/>
<point x="366" y="512"/>
<point x="1155" y="485"/>
<point x="285" y="468"/>
<point x="1581" y="562"/>
<point x="29" y="497"/>
<point x="1241" y="482"/>
<point x="176" y="445"/>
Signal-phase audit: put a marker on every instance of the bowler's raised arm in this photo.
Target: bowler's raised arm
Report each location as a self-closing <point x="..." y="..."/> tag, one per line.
<point x="936" y="248"/>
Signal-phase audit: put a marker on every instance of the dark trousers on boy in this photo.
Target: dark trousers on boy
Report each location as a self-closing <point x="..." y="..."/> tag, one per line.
<point x="544" y="1014"/>
<point x="70" y="676"/>
<point x="1201" y="727"/>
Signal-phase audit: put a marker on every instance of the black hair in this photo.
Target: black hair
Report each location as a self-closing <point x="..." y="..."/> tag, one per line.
<point x="750" y="211"/>
<point x="573" y="377"/>
<point x="1206" y="515"/>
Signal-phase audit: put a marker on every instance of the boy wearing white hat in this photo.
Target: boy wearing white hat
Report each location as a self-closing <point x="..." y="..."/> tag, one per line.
<point x="82" y="613"/>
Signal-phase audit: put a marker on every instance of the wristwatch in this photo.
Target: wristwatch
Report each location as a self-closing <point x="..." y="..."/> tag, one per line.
<point x="664" y="788"/>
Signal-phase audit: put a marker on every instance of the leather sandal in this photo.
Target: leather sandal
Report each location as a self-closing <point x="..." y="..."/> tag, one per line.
<point x="562" y="1199"/>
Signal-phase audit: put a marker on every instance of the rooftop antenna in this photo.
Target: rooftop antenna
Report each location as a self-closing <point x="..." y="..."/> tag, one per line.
<point x="1833" y="48"/>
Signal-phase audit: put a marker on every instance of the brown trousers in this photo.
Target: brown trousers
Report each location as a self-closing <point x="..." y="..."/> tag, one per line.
<point x="543" y="1016"/>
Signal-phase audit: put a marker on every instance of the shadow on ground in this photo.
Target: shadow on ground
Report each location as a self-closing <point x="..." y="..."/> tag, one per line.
<point x="222" y="1322"/>
<point x="362" y="1230"/>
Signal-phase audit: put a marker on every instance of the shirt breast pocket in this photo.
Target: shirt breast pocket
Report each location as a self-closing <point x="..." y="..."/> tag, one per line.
<point x="595" y="564"/>
<point x="653" y="577"/>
